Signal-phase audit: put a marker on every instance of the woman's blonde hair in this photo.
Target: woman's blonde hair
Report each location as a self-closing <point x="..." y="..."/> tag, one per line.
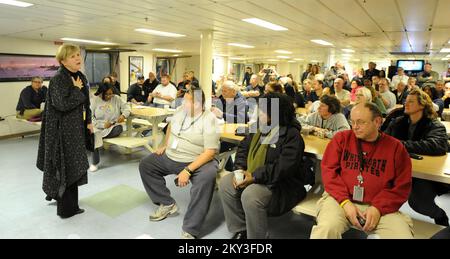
<point x="425" y="101"/>
<point x="66" y="51"/>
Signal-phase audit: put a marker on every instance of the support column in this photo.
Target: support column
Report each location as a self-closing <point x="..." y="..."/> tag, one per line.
<point x="331" y="59"/>
<point x="206" y="63"/>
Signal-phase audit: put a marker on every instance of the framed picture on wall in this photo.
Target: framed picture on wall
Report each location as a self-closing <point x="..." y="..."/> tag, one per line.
<point x="135" y="68"/>
<point x="20" y="67"/>
<point x="162" y="68"/>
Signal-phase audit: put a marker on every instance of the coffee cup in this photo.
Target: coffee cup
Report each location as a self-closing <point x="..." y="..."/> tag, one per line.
<point x="239" y="176"/>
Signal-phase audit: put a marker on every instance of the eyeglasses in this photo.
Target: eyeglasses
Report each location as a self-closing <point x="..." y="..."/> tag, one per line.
<point x="38" y="82"/>
<point x="358" y="123"/>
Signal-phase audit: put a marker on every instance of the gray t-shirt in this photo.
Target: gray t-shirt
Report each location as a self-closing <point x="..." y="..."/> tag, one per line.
<point x="190" y="137"/>
<point x="390" y="97"/>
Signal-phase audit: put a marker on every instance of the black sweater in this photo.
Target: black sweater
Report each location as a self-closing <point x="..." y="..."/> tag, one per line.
<point x="30" y="99"/>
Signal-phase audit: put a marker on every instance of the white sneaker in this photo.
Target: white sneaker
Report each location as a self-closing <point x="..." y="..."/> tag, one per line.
<point x="93" y="168"/>
<point x="186" y="235"/>
<point x="163" y="211"/>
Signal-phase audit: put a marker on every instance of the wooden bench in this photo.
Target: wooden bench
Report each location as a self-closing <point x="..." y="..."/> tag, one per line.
<point x="128" y="142"/>
<point x="422" y="229"/>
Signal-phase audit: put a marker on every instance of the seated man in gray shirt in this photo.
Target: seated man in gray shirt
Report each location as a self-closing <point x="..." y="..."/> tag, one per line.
<point x="188" y="151"/>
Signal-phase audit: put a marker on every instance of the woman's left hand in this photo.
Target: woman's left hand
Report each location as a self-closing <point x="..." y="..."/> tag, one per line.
<point x="91" y="128"/>
<point x="121" y="119"/>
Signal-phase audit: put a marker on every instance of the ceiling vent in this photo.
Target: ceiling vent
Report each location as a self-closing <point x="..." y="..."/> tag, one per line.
<point x="364" y="35"/>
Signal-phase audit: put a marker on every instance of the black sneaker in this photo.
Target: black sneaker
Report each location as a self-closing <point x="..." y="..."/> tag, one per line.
<point x="240" y="235"/>
<point x="443" y="220"/>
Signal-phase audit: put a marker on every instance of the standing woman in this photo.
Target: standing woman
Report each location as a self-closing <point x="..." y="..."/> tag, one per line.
<point x="66" y="122"/>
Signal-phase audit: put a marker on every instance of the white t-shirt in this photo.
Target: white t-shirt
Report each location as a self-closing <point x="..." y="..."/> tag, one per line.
<point x="168" y="90"/>
<point x="397" y="79"/>
<point x="190" y="137"/>
<point x="343" y="95"/>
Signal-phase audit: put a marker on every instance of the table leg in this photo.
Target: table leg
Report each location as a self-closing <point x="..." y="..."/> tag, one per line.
<point x="129" y="126"/>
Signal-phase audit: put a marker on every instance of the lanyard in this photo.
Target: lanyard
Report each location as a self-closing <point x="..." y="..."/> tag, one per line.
<point x="362" y="161"/>
<point x="192" y="123"/>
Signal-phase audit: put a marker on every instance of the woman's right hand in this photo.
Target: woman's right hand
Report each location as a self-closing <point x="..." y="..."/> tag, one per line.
<point x="160" y="150"/>
<point x="78" y="83"/>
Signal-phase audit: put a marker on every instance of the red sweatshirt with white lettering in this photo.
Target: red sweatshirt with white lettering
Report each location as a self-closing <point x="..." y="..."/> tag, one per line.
<point x="387" y="171"/>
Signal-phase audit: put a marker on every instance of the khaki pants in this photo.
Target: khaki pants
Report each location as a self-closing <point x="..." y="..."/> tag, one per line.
<point x="28" y="114"/>
<point x="332" y="223"/>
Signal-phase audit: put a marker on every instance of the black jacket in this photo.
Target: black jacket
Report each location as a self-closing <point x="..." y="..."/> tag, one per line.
<point x="282" y="172"/>
<point x="149" y="87"/>
<point x="402" y="98"/>
<point x="430" y="136"/>
<point x="136" y="92"/>
<point x="62" y="144"/>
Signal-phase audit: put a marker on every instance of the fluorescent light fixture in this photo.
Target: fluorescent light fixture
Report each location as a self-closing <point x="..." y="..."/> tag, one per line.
<point x="105" y="48"/>
<point x="283" y="57"/>
<point x="347" y="55"/>
<point x="448" y="56"/>
<point x="445" y="59"/>
<point x="237" y="58"/>
<point x="265" y="24"/>
<point x="315" y="61"/>
<point x="298" y="59"/>
<point x="273" y="60"/>
<point x="348" y="50"/>
<point x="168" y="50"/>
<point x="292" y="61"/>
<point x="280" y="51"/>
<point x="89" y="41"/>
<point x="16" y="3"/>
<point x="160" y="33"/>
<point x="357" y="60"/>
<point x="445" y="50"/>
<point x="411" y="58"/>
<point x="176" y="55"/>
<point x="322" y="42"/>
<point x="241" y="45"/>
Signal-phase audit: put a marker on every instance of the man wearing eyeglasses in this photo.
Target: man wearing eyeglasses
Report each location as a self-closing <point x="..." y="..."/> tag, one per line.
<point x="367" y="178"/>
<point x="30" y="100"/>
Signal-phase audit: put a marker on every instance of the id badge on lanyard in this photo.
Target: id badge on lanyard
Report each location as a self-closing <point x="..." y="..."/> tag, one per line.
<point x="358" y="190"/>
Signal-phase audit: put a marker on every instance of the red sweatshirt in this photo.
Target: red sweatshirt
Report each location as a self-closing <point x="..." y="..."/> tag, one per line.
<point x="387" y="173"/>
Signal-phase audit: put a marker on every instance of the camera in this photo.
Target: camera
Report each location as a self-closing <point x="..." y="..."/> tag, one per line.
<point x="361" y="221"/>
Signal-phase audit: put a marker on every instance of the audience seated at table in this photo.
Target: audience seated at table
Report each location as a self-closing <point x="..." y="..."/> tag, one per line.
<point x="188" y="151"/>
<point x="328" y="120"/>
<point x="359" y="192"/>
<point x="109" y="113"/>
<point x="273" y="178"/>
<point x="30" y="100"/>
<point x="421" y="133"/>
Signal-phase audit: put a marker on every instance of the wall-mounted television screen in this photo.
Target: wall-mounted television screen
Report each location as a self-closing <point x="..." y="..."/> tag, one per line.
<point x="411" y="65"/>
<point x="19" y="67"/>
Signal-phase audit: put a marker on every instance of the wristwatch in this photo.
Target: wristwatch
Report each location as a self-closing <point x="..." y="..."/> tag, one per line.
<point x="188" y="170"/>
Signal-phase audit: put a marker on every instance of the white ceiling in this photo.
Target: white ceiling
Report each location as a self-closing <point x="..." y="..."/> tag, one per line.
<point x="391" y="25"/>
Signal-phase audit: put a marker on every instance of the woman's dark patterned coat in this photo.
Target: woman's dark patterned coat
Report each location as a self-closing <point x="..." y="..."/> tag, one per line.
<point x="62" y="152"/>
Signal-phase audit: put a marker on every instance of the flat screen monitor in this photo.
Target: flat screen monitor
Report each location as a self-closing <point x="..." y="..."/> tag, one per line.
<point x="411" y="65"/>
